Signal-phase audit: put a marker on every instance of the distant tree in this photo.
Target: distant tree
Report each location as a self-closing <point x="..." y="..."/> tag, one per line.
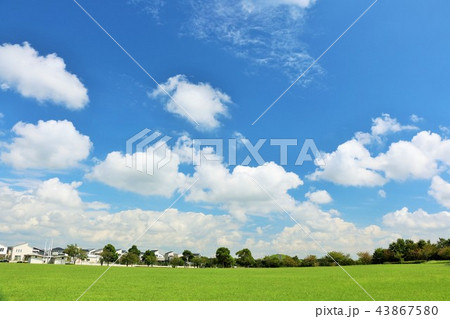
<point x="245" y="258"/>
<point x="197" y="261"/>
<point x="309" y="261"/>
<point x="399" y="249"/>
<point x="149" y="258"/>
<point x="427" y="251"/>
<point x="273" y="261"/>
<point x="82" y="255"/>
<point x="224" y="258"/>
<point x="109" y="254"/>
<point x="210" y="262"/>
<point x="129" y="259"/>
<point x="365" y="258"/>
<point x="73" y="251"/>
<point x="444" y="253"/>
<point x="134" y="250"/>
<point x="187" y="256"/>
<point x="288" y="261"/>
<point x="339" y="257"/>
<point x="176" y="261"/>
<point x="442" y="243"/>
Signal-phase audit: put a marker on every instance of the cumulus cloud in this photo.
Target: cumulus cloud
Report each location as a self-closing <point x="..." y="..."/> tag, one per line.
<point x="43" y="78"/>
<point x="114" y="172"/>
<point x="319" y="197"/>
<point x="386" y="124"/>
<point x="382" y="193"/>
<point x="352" y="164"/>
<point x="199" y="103"/>
<point x="440" y="190"/>
<point x="50" y="144"/>
<point x="418" y="224"/>
<point x="240" y="192"/>
<point x="55" y="209"/>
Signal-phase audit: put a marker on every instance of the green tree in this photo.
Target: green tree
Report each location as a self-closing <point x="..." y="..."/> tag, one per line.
<point x="176" y="261"/>
<point x="187" y="255"/>
<point x="337" y="256"/>
<point x="82" y="255"/>
<point x="378" y="256"/>
<point x="73" y="251"/>
<point x="288" y="261"/>
<point x="149" y="258"/>
<point x="442" y="243"/>
<point x="224" y="258"/>
<point x="134" y="250"/>
<point x="109" y="254"/>
<point x="197" y="261"/>
<point x="444" y="253"/>
<point x="365" y="258"/>
<point x="399" y="249"/>
<point x="273" y="261"/>
<point x="245" y="258"/>
<point x="309" y="261"/>
<point x="129" y="259"/>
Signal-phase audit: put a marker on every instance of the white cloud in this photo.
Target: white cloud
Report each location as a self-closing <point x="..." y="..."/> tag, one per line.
<point x="319" y="197"/>
<point x="415" y="118"/>
<point x="419" y="224"/>
<point x="53" y="191"/>
<point x="349" y="165"/>
<point x="353" y="165"/>
<point x="274" y="3"/>
<point x="386" y="124"/>
<point x="238" y="192"/>
<point x="440" y="190"/>
<point x="199" y="103"/>
<point x="44" y="78"/>
<point x="1" y="115"/>
<point x="267" y="33"/>
<point x="382" y="193"/>
<point x="54" y="209"/>
<point x="114" y="172"/>
<point x="48" y="145"/>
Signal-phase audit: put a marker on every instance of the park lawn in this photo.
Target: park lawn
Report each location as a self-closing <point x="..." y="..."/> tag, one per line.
<point x="384" y="282"/>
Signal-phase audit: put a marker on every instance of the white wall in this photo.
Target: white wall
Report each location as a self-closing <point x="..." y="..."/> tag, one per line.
<point x="18" y="252"/>
<point x="3" y="251"/>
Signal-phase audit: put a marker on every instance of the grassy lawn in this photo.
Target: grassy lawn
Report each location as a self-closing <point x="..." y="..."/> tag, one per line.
<point x="384" y="282"/>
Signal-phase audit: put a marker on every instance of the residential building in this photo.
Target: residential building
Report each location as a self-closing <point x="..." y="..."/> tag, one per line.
<point x="158" y="254"/>
<point x="170" y="255"/>
<point x="3" y="251"/>
<point x="21" y="251"/>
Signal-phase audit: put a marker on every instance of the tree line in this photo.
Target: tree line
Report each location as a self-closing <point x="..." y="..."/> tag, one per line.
<point x="400" y="251"/>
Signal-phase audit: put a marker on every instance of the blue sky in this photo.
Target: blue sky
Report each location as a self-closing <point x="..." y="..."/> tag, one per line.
<point x="71" y="97"/>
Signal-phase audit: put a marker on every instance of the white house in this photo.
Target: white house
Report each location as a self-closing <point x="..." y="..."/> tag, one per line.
<point x="170" y="255"/>
<point x="159" y="256"/>
<point x="3" y="251"/>
<point x="93" y="256"/>
<point x="19" y="252"/>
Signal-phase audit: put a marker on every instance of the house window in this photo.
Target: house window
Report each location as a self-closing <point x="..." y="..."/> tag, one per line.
<point x="2" y="250"/>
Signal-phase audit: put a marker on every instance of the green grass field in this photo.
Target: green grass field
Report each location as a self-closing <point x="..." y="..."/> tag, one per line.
<point x="384" y="282"/>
